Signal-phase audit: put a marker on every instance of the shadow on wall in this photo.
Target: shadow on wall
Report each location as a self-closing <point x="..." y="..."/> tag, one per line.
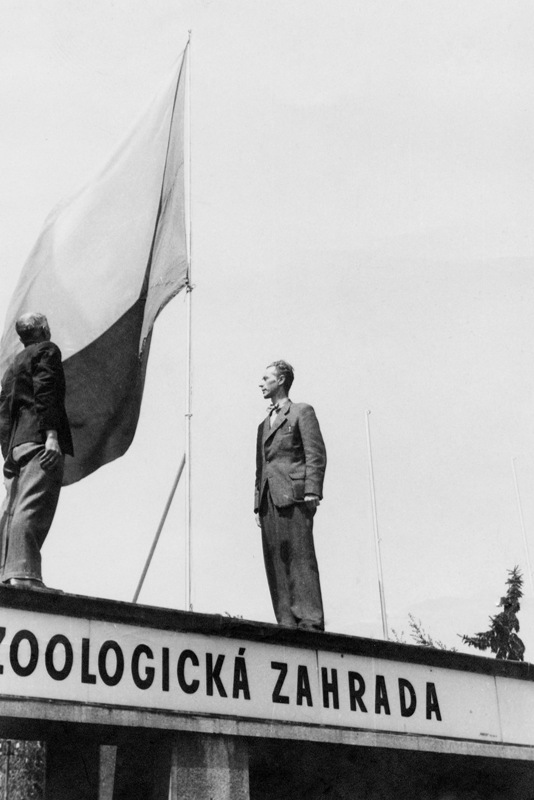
<point x="283" y="770"/>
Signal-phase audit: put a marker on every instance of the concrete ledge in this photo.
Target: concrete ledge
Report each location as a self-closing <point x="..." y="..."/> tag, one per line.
<point x="165" y="619"/>
<point x="99" y="668"/>
<point x="33" y="719"/>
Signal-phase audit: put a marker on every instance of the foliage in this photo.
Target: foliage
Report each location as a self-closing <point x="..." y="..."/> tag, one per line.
<point x="22" y="769"/>
<point x="502" y="638"/>
<point x="420" y="636"/>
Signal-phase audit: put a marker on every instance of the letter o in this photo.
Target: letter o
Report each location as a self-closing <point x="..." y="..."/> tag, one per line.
<point x="16" y="666"/>
<point x="110" y="680"/>
<point x="58" y="674"/>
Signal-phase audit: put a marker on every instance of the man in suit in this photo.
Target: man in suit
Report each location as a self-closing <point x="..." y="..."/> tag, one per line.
<point x="34" y="436"/>
<point x="290" y="467"/>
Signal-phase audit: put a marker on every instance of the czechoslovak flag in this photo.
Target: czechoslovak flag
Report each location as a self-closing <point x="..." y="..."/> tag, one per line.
<point x="107" y="262"/>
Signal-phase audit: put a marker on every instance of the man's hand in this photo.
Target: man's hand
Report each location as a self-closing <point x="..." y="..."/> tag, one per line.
<point x="258" y="523"/>
<point x="311" y="500"/>
<point x="52" y="452"/>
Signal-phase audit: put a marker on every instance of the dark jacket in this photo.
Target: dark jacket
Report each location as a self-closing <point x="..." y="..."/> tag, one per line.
<point x="32" y="399"/>
<point x="290" y="456"/>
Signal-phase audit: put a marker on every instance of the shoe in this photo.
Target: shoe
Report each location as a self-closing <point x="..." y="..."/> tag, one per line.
<point x="31" y="583"/>
<point x="288" y="623"/>
<point x="25" y="583"/>
<point x="305" y="625"/>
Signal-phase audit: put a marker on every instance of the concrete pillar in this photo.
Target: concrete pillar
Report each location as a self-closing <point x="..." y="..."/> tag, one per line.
<point x="106" y="782"/>
<point x="209" y="767"/>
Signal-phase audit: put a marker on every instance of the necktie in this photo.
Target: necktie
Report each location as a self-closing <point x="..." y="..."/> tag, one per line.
<point x="273" y="410"/>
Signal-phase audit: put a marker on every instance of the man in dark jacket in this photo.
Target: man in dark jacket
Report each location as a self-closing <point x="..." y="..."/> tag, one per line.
<point x="290" y="467"/>
<point x="34" y="436"/>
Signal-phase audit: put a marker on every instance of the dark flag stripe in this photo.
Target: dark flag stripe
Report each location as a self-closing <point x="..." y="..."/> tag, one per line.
<point x="105" y="385"/>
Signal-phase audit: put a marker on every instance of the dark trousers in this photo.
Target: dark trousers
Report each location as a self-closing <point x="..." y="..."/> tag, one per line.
<point x="291" y="564"/>
<point x="29" y="507"/>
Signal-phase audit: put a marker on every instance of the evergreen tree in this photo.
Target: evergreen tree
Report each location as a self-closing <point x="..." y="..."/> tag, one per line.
<point x="502" y="638"/>
<point x="419" y="635"/>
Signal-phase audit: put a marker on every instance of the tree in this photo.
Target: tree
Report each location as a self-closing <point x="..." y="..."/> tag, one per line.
<point x="420" y="636"/>
<point x="22" y="769"/>
<point x="502" y="638"/>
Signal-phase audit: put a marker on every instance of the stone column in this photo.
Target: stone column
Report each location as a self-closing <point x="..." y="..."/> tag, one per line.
<point x="108" y="759"/>
<point x="209" y="767"/>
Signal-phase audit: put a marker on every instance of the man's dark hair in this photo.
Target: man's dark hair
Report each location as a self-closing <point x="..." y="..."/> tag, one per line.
<point x="287" y="372"/>
<point x="30" y="326"/>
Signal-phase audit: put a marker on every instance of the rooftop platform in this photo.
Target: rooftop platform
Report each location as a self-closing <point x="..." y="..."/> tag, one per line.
<point x="102" y="667"/>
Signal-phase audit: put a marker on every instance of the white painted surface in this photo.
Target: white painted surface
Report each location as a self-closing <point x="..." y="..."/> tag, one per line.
<point x="462" y="705"/>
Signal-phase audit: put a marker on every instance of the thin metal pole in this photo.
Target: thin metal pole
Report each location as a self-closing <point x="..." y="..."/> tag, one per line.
<point x="160" y="528"/>
<point x="6" y="775"/>
<point x="188" y="415"/>
<point x="188" y="378"/>
<point x="523" y="530"/>
<point x="377" y="536"/>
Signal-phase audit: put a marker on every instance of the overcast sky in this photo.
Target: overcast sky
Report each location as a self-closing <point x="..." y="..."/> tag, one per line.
<point x="362" y="206"/>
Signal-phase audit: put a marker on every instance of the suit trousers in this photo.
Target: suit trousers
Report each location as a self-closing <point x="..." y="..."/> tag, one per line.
<point x="291" y="564"/>
<point x="29" y="507"/>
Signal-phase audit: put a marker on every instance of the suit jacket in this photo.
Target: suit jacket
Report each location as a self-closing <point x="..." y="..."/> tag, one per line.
<point x="32" y="399"/>
<point x="290" y="456"/>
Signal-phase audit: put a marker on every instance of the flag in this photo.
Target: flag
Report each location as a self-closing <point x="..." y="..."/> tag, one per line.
<point x="107" y="261"/>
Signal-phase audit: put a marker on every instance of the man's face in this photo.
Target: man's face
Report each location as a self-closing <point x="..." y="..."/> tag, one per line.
<point x="270" y="383"/>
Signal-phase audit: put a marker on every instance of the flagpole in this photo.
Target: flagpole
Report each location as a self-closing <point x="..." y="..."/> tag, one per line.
<point x="377" y="536"/>
<point x="522" y="521"/>
<point x="189" y="368"/>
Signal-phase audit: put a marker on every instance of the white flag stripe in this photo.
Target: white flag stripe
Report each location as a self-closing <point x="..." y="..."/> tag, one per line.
<point x="88" y="265"/>
<point x="169" y="266"/>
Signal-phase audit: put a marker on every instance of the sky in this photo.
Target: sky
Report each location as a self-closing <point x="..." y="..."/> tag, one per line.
<point x="362" y="195"/>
